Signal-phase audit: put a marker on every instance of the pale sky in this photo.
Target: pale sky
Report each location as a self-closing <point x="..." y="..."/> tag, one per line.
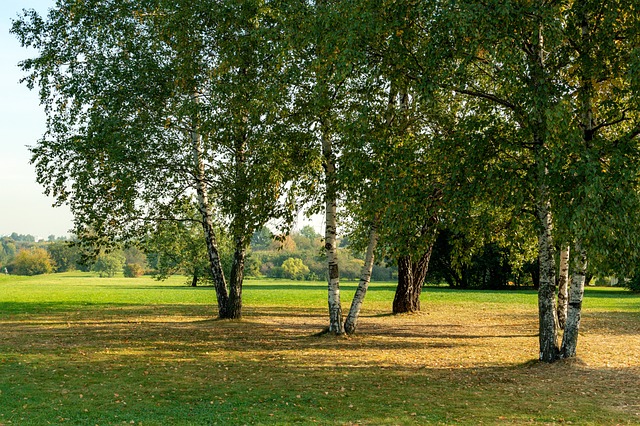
<point x="23" y="206"/>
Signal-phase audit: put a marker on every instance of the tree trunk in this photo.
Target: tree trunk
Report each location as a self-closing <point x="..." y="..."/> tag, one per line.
<point x="234" y="306"/>
<point x="570" y="337"/>
<point x="330" y="243"/>
<point x="586" y="94"/>
<point x="207" y="220"/>
<point x="365" y="277"/>
<point x="194" y="280"/>
<point x="549" y="351"/>
<point x="563" y="286"/>
<point x="410" y="280"/>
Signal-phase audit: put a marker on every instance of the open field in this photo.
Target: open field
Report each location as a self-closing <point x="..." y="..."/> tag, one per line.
<point x="75" y="349"/>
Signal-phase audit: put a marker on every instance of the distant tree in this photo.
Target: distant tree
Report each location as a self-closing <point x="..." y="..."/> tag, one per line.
<point x="7" y="251"/>
<point x="284" y="243"/>
<point x="109" y="264"/>
<point x="309" y="232"/>
<point x="35" y="261"/>
<point x="133" y="270"/>
<point x="293" y="268"/>
<point x="65" y="255"/>
<point x="261" y="239"/>
<point x="134" y="255"/>
<point x="23" y="238"/>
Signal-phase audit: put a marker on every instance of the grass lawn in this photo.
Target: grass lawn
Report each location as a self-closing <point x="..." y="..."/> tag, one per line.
<point x="77" y="349"/>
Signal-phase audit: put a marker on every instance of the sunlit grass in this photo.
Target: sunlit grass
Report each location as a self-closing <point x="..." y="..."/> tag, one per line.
<point x="78" y="349"/>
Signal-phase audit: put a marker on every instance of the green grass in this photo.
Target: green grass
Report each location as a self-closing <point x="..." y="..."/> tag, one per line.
<point x="78" y="349"/>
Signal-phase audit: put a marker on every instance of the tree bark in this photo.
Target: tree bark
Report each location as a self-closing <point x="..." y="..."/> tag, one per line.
<point x="585" y="99"/>
<point x="570" y="337"/>
<point x="563" y="286"/>
<point x="194" y="280"/>
<point x="365" y="277"/>
<point x="411" y="277"/>
<point x="330" y="238"/>
<point x="234" y="306"/>
<point x="548" y="336"/>
<point x="207" y="219"/>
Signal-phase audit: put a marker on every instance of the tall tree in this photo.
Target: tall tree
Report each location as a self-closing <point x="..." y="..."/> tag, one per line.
<point x="154" y="103"/>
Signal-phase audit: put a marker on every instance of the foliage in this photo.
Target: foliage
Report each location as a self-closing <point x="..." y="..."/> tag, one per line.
<point x="178" y="247"/>
<point x="34" y="261"/>
<point x="108" y="264"/>
<point x="294" y="269"/>
<point x="8" y="250"/>
<point x="65" y="254"/>
<point x="133" y="270"/>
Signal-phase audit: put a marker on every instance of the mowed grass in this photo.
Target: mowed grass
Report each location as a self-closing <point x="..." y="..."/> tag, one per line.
<point x="77" y="349"/>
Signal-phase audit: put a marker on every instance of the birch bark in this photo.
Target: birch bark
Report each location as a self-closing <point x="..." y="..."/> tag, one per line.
<point x="330" y="243"/>
<point x="576" y="293"/>
<point x="563" y="286"/>
<point x="365" y="277"/>
<point x="207" y="219"/>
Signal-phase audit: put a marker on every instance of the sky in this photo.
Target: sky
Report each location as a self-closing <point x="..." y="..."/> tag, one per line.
<point x="23" y="206"/>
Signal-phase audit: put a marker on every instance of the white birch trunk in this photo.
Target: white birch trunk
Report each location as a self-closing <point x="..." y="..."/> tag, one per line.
<point x="330" y="243"/>
<point x="585" y="98"/>
<point x="576" y="293"/>
<point x="207" y="219"/>
<point x="365" y="277"/>
<point x="563" y="286"/>
<point x="548" y="332"/>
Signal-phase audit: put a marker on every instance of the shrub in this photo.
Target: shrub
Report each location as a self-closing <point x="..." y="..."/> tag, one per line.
<point x="32" y="262"/>
<point x="293" y="268"/>
<point x="133" y="270"/>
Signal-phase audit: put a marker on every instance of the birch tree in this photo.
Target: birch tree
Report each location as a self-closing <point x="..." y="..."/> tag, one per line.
<point x="153" y="103"/>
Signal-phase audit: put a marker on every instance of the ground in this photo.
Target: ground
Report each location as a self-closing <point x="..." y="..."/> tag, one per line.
<point x="81" y="350"/>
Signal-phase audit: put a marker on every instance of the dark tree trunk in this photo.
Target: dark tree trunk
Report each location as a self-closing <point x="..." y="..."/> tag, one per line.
<point x="234" y="305"/>
<point x="194" y="281"/>
<point x="411" y="277"/>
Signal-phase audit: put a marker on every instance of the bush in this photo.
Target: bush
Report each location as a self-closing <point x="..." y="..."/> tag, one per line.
<point x="633" y="284"/>
<point x="133" y="270"/>
<point x="294" y="269"/>
<point x="32" y="262"/>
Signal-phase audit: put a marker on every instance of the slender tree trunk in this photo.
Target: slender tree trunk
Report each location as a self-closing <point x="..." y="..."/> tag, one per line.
<point x="411" y="277"/>
<point x="194" y="280"/>
<point x="585" y="99"/>
<point x="365" y="277"/>
<point x="563" y="286"/>
<point x="207" y="220"/>
<point x="570" y="337"/>
<point x="330" y="238"/>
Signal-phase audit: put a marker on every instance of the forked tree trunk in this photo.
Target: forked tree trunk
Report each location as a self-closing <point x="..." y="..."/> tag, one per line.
<point x="207" y="220"/>
<point x="330" y="238"/>
<point x="563" y="286"/>
<point x="570" y="337"/>
<point x="411" y="277"/>
<point x="365" y="277"/>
